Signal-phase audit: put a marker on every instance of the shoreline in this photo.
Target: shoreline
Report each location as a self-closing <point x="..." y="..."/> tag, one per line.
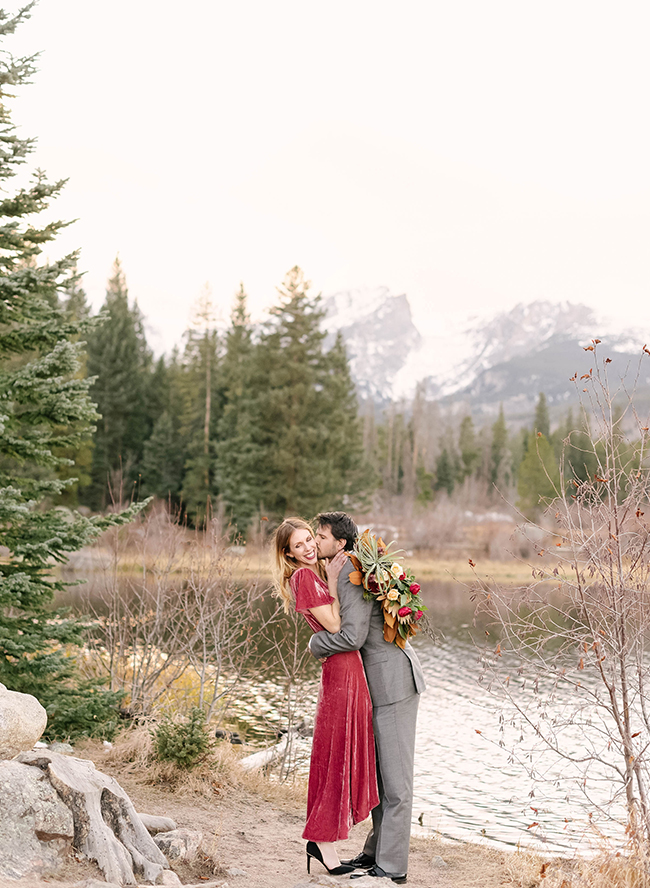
<point x="256" y="565"/>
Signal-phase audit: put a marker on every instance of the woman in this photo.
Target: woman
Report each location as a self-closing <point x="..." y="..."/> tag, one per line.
<point x="342" y="776"/>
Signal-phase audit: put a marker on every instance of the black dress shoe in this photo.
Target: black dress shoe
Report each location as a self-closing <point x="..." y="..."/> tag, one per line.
<point x="377" y="871"/>
<point x="361" y="861"/>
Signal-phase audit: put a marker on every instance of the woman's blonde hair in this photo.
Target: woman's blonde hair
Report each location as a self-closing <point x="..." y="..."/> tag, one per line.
<point x="285" y="565"/>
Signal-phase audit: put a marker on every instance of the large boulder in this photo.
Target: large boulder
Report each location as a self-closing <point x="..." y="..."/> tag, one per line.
<point x="22" y="722"/>
<point x="179" y="844"/>
<point x="37" y="827"/>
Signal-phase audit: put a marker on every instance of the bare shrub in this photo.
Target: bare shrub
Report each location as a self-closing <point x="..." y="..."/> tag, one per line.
<point x="285" y="646"/>
<point x="435" y="528"/>
<point x="578" y="634"/>
<point x="174" y="619"/>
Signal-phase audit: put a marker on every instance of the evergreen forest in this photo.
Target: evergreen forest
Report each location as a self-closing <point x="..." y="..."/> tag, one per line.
<point x="261" y="421"/>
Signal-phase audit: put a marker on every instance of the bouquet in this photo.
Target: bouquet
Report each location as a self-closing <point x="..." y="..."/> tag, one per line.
<point x="384" y="579"/>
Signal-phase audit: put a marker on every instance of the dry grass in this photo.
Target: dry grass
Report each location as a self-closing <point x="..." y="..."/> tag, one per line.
<point x="507" y="572"/>
<point x="525" y="869"/>
<point x="478" y="866"/>
<point x="133" y="755"/>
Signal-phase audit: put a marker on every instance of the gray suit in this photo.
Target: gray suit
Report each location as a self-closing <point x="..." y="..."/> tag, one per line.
<point x="395" y="681"/>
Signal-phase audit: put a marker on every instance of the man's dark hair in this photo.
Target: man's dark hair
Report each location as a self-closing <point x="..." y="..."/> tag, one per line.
<point x="341" y="526"/>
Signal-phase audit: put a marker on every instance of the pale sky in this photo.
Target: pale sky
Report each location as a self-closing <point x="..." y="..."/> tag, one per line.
<point x="471" y="154"/>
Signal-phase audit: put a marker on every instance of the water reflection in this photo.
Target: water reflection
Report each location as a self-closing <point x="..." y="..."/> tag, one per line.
<point x="465" y="785"/>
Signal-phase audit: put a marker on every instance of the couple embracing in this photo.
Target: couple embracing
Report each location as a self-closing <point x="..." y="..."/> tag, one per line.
<point x="364" y="731"/>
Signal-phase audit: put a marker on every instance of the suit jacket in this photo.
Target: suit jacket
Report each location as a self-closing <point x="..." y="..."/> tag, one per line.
<point x="393" y="674"/>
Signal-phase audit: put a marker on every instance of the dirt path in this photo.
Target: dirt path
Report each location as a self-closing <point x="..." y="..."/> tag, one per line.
<point x="261" y="834"/>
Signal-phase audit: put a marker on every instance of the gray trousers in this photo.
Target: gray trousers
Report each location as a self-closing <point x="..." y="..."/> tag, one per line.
<point x="388" y="840"/>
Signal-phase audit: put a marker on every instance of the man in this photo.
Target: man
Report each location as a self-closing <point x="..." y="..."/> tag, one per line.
<point x="395" y="681"/>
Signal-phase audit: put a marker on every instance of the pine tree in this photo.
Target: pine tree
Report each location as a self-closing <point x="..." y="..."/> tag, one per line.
<point x="74" y="299"/>
<point x="120" y="361"/>
<point x="542" y="423"/>
<point x="498" y="451"/>
<point x="580" y="455"/>
<point x="445" y="475"/>
<point x="311" y="442"/>
<point x="349" y="475"/>
<point x="539" y="477"/>
<point x="424" y="485"/>
<point x="238" y="453"/>
<point x="203" y="401"/>
<point x="469" y="452"/>
<point x="165" y="451"/>
<point x="75" y="305"/>
<point x="44" y="409"/>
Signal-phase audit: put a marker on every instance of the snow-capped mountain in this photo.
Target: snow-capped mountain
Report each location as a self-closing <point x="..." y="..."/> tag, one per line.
<point x="508" y="357"/>
<point x="379" y="335"/>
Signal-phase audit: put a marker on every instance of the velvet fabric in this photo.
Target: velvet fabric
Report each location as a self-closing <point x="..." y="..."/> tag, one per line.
<point x="342" y="772"/>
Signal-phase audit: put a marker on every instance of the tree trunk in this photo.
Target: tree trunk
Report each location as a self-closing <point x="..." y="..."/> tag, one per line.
<point x="107" y="827"/>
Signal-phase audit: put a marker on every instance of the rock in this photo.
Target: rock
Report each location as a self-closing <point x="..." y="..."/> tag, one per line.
<point x="107" y="828"/>
<point x="62" y="748"/>
<point x="178" y="844"/>
<point x="167" y="877"/>
<point x="22" y="721"/>
<point x="231" y="736"/>
<point x="37" y="827"/>
<point x="156" y="824"/>
<point x="324" y="881"/>
<point x="96" y="883"/>
<point x="204" y="885"/>
<point x="438" y="862"/>
<point x="235" y="871"/>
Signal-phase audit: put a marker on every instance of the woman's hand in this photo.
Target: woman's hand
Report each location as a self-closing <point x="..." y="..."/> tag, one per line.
<point x="334" y="567"/>
<point x="329" y="615"/>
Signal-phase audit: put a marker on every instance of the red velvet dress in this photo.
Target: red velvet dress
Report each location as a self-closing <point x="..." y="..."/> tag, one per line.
<point x="342" y="776"/>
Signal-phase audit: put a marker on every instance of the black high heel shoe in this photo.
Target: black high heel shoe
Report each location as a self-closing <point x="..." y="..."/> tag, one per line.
<point x="314" y="851"/>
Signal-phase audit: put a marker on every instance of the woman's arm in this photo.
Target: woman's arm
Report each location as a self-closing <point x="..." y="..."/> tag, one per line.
<point x="328" y="615"/>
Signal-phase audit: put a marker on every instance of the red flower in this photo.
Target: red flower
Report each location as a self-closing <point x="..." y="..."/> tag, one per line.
<point x="414" y="588"/>
<point x="404" y="612"/>
<point x="403" y="577"/>
<point x="418" y="615"/>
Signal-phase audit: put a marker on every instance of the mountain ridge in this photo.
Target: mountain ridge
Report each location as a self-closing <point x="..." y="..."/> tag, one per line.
<point x="483" y="361"/>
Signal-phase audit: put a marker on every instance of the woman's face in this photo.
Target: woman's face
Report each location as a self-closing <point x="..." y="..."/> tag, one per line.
<point x="302" y="547"/>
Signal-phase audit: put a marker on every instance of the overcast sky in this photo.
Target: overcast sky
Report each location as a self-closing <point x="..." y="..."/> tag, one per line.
<point x="470" y="154"/>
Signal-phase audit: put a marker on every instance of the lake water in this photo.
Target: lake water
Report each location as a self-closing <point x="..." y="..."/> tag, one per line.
<point x="466" y="786"/>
